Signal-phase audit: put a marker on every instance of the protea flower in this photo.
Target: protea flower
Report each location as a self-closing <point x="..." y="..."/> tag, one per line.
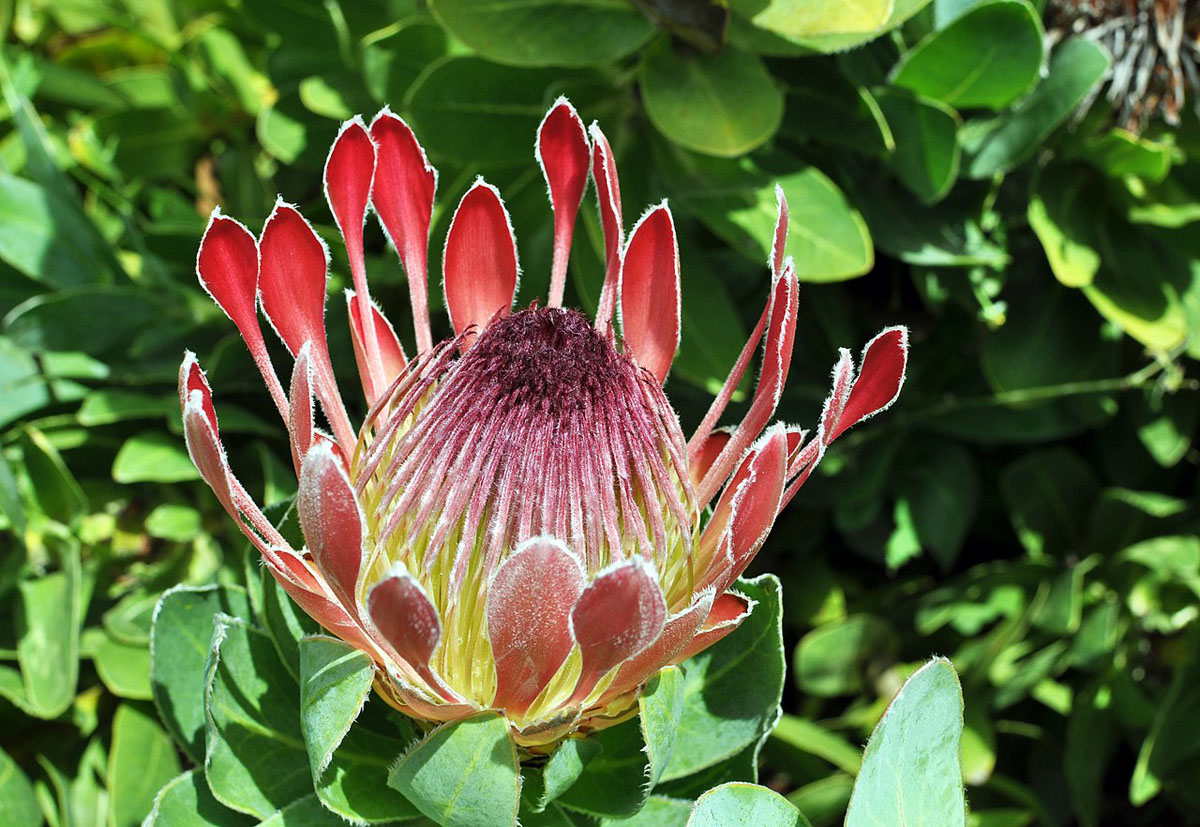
<point x="518" y="523"/>
<point x="1155" y="48"/>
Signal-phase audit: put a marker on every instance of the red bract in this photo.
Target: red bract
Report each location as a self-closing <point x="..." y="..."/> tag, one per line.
<point x="518" y="523"/>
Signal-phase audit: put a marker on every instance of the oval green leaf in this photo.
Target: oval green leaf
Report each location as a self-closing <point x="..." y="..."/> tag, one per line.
<point x="463" y="774"/>
<point x="814" y="18"/>
<point x="989" y="57"/>
<point x="999" y="143"/>
<point x="911" y="771"/>
<point x="724" y="105"/>
<point x="349" y="765"/>
<point x="141" y="760"/>
<point x="926" y="156"/>
<point x="738" y="803"/>
<point x="546" y="32"/>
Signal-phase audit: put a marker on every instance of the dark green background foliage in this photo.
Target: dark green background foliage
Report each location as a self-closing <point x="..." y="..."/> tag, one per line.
<point x="1027" y="509"/>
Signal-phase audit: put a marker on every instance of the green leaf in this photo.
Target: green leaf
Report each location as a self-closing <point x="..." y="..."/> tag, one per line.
<point x="394" y="60"/>
<point x="124" y="669"/>
<point x="545" y="32"/>
<point x="632" y="756"/>
<point x="129" y="621"/>
<point x="48" y="617"/>
<point x="660" y="811"/>
<point x="1092" y="735"/>
<point x="105" y="406"/>
<point x="1168" y="436"/>
<point x="57" y="491"/>
<point x="815" y="17"/>
<point x="562" y="770"/>
<point x="810" y="737"/>
<point x="732" y="689"/>
<point x="1118" y="153"/>
<point x="824" y="105"/>
<point x="142" y="759"/>
<point x="724" y="105"/>
<point x="944" y="501"/>
<point x="304" y="812"/>
<point x="97" y="320"/>
<point x="828" y="239"/>
<point x="186" y="801"/>
<point x="1002" y="142"/>
<point x="153" y="456"/>
<point x="712" y="334"/>
<point x="1047" y="340"/>
<point x="336" y="95"/>
<point x="1064" y="211"/>
<point x="738" y="803"/>
<point x="1174" y="736"/>
<point x="460" y="98"/>
<point x="1048" y="495"/>
<point x="745" y="35"/>
<point x="18" y="803"/>
<point x="1150" y="310"/>
<point x="229" y="62"/>
<point x="911" y="771"/>
<point x="926" y="136"/>
<point x="350" y="777"/>
<point x="831" y="660"/>
<point x="254" y="758"/>
<point x="10" y="499"/>
<point x="463" y="774"/>
<point x="174" y="522"/>
<point x="179" y="647"/>
<point x="42" y="236"/>
<point x="988" y="57"/>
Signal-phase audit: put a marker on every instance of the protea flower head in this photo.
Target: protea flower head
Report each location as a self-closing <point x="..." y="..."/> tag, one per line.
<point x="518" y="523"/>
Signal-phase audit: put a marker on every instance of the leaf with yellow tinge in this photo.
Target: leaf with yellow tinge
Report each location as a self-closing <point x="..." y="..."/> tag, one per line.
<point x="813" y="18"/>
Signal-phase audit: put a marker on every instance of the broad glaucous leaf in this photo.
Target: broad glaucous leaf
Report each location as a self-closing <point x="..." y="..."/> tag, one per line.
<point x="141" y="760"/>
<point x="732" y="689"/>
<point x="463" y="774"/>
<point x="186" y="801"/>
<point x="911" y="770"/>
<point x="254" y="754"/>
<point x="616" y="779"/>
<point x="179" y="647"/>
<point x="349" y="765"/>
<point x="738" y="803"/>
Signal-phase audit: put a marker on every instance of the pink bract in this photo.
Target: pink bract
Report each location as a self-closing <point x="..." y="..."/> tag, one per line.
<point x="519" y="522"/>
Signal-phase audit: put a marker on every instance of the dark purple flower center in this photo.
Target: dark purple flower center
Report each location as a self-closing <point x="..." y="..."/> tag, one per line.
<point x="547" y="360"/>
